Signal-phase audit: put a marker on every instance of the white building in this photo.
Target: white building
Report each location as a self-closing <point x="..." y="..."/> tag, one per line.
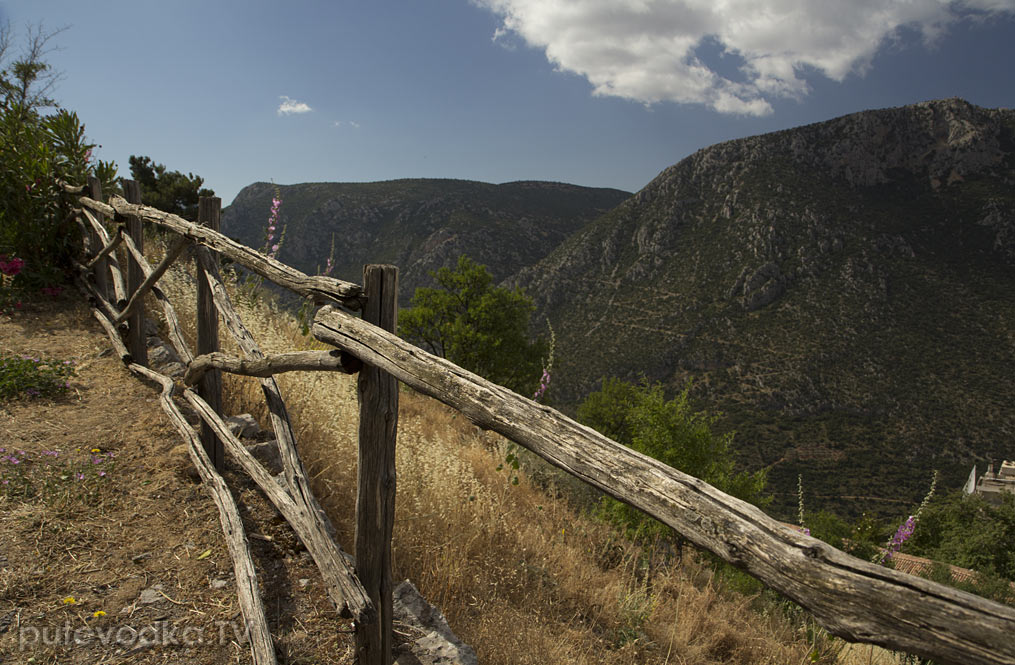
<point x="991" y="484"/>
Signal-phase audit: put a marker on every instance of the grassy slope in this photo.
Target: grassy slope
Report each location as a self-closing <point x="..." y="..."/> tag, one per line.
<point x="520" y="575"/>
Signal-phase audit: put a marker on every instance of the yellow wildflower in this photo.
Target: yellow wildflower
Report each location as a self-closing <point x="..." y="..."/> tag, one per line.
<point x="69" y="600"/>
<point x="98" y="613"/>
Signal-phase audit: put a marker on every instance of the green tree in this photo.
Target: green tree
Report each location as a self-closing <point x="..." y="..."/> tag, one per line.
<point x="968" y="531"/>
<point x="38" y="150"/>
<point x="671" y="431"/>
<point x="476" y="325"/>
<point x="169" y="191"/>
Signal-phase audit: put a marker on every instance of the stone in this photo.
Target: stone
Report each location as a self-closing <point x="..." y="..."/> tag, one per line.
<point x="243" y="426"/>
<point x="439" y="645"/>
<point x="267" y="454"/>
<point x="151" y="595"/>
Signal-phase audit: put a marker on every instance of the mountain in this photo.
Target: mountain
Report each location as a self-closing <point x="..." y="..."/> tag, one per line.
<point x="418" y="225"/>
<point x="843" y="293"/>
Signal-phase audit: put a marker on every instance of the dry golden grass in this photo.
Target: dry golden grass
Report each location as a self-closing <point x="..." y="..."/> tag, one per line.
<point x="520" y="575"/>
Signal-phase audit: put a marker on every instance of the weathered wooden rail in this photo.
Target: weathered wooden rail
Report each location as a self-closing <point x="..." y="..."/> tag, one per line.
<point x="853" y="599"/>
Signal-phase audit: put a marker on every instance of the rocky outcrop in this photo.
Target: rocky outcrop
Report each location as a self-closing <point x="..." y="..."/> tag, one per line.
<point x="817" y="284"/>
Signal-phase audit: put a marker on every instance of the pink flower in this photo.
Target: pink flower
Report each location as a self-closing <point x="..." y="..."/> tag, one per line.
<point x="11" y="266"/>
<point x="274" y="248"/>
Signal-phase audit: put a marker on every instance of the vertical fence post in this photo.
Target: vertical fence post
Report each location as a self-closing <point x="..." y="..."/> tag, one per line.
<point x="209" y="209"/>
<point x="101" y="269"/>
<point x="375" y="501"/>
<point x="136" y="339"/>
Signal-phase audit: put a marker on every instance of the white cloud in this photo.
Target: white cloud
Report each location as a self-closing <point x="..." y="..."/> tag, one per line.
<point x="291" y="106"/>
<point x="343" y="123"/>
<point x="646" y="50"/>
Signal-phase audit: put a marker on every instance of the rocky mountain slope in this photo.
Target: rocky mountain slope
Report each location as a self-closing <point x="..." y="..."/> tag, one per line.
<point x="418" y="225"/>
<point x="843" y="292"/>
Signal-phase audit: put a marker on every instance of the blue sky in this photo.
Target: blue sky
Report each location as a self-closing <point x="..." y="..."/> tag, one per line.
<point x="592" y="92"/>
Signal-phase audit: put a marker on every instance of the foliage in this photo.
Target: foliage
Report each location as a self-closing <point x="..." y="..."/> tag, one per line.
<point x="671" y="431"/>
<point x="987" y="585"/>
<point x="37" y="151"/>
<point x="476" y="325"/>
<point x="970" y="532"/>
<point x="27" y="376"/>
<point x="169" y="191"/>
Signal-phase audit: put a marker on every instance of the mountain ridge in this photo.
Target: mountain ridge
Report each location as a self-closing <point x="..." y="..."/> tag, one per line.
<point x="419" y="225"/>
<point x="839" y="291"/>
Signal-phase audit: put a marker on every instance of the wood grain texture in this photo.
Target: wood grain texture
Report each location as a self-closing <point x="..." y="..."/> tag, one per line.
<point x="262" y="648"/>
<point x="276" y="363"/>
<point x="137" y="341"/>
<point x="209" y="214"/>
<point x="345" y="590"/>
<point x="321" y="289"/>
<point x="853" y="599"/>
<point x="375" y="499"/>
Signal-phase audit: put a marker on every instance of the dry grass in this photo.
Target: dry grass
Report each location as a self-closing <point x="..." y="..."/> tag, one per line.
<point x="520" y="575"/>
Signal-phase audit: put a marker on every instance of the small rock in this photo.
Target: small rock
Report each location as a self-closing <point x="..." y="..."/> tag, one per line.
<point x="243" y="426"/>
<point x="267" y="454"/>
<point x="151" y="595"/>
<point x="219" y="584"/>
<point x="439" y="645"/>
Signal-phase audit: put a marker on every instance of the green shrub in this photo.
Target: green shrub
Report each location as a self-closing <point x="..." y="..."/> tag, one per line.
<point x="36" y="152"/>
<point x="671" y="431"/>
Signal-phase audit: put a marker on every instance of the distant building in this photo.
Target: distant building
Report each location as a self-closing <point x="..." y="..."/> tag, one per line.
<point x="991" y="485"/>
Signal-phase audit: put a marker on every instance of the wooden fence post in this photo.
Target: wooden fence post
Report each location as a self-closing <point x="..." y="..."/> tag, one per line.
<point x="101" y="269"/>
<point x="137" y="343"/>
<point x="375" y="501"/>
<point x="210" y="388"/>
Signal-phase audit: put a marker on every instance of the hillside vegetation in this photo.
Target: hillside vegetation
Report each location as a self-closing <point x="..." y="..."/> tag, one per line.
<point x="841" y="293"/>
<point x="419" y="225"/>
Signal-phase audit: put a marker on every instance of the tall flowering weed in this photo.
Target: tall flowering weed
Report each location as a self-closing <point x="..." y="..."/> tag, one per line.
<point x="544" y="381"/>
<point x="906" y="529"/>
<point x="273" y="241"/>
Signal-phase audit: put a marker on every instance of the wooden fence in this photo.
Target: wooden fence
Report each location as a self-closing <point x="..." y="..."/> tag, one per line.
<point x="853" y="599"/>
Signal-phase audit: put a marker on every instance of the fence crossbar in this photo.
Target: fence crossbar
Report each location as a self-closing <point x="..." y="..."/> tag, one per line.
<point x="853" y="599"/>
<point x="151" y="275"/>
<point x="271" y="364"/>
<point x="252" y="606"/>
<point x="105" y="251"/>
<point x="318" y="287"/>
<point x="344" y="587"/>
<point x="119" y="287"/>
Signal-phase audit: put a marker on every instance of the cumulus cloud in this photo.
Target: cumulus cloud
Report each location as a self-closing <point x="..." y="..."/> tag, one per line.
<point x="652" y="50"/>
<point x="291" y="106"/>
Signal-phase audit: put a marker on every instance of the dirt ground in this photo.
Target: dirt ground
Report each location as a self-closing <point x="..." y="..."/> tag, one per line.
<point x="115" y="554"/>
